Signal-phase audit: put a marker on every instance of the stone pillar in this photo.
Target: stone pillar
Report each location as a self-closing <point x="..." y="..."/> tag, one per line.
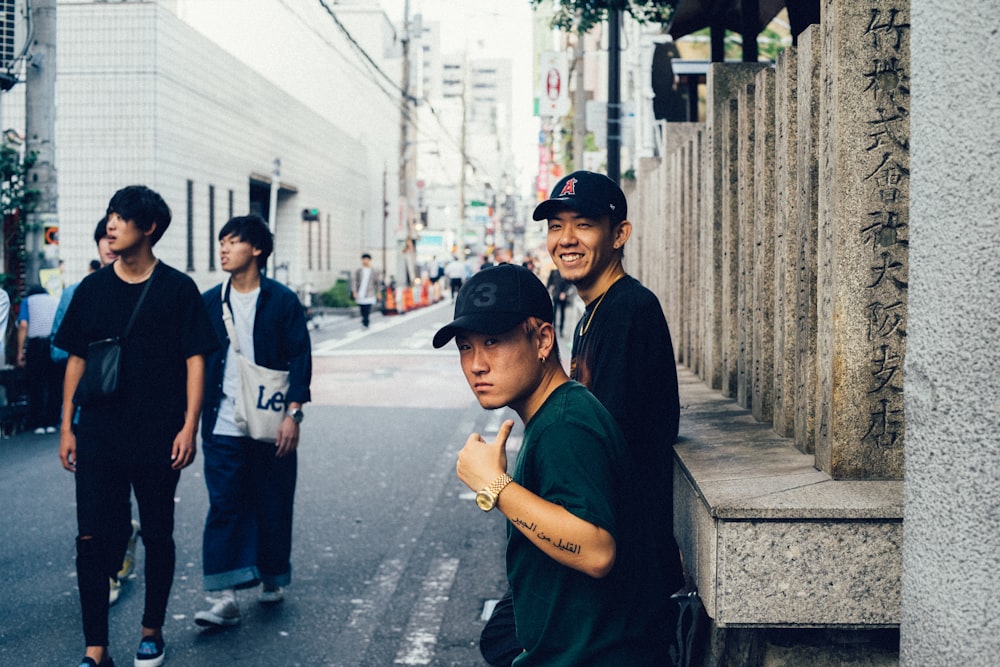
<point x="762" y="397"/>
<point x="806" y="394"/>
<point x="729" y="274"/>
<point x="951" y="550"/>
<point x="693" y="172"/>
<point x="724" y="79"/>
<point x="681" y="260"/>
<point x="785" y="242"/>
<point x="744" y="230"/>
<point x="862" y="253"/>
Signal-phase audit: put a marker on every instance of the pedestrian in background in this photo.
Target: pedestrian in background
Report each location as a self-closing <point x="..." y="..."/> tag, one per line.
<point x="457" y="272"/>
<point x="251" y="483"/>
<point x="4" y="319"/>
<point x="562" y="292"/>
<point x="365" y="286"/>
<point x="34" y="328"/>
<point x="578" y="558"/>
<point x="139" y="439"/>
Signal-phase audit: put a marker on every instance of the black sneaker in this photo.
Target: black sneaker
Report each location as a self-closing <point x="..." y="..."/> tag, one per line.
<point x="89" y="662"/>
<point x="150" y="653"/>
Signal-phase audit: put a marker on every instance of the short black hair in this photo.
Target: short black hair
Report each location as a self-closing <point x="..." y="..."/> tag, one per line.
<point x="254" y="230"/>
<point x="95" y="265"/>
<point x="101" y="230"/>
<point x="143" y="206"/>
<point x="366" y="256"/>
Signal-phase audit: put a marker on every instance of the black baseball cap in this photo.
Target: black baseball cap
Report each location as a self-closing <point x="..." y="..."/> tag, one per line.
<point x="496" y="300"/>
<point x="591" y="195"/>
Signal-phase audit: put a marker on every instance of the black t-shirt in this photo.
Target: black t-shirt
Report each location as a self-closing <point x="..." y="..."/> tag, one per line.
<point x="171" y="326"/>
<point x="622" y="353"/>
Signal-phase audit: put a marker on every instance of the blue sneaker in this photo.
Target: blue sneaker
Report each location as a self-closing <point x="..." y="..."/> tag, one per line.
<point x="150" y="653"/>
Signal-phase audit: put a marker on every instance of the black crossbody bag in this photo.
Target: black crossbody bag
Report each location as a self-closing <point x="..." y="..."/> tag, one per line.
<point x="104" y="360"/>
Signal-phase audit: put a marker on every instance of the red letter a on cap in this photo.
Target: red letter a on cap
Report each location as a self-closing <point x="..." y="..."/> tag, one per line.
<point x="569" y="188"/>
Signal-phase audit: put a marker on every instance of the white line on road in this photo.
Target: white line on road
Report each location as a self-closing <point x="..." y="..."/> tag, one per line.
<point x="425" y="623"/>
<point x="356" y="636"/>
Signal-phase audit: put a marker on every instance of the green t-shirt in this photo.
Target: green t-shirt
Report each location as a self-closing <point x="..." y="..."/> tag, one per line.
<point x="573" y="454"/>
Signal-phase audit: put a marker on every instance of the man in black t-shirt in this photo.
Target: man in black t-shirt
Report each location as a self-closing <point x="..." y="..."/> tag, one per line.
<point x="140" y="438"/>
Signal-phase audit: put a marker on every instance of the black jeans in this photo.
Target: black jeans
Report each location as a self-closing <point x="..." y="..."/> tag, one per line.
<point x="44" y="384"/>
<point x="498" y="642"/>
<point x="103" y="481"/>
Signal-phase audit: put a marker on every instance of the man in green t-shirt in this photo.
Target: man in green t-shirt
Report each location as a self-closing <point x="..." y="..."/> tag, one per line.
<point x="579" y="555"/>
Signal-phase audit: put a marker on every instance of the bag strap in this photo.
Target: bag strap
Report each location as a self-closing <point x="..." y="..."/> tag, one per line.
<point x="227" y="317"/>
<point x="142" y="296"/>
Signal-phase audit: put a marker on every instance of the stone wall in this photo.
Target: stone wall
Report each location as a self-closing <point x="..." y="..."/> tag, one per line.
<point x="776" y="235"/>
<point x="951" y="550"/>
<point x="785" y="221"/>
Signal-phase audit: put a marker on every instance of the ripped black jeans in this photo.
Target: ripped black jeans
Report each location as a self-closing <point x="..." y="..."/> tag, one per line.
<point x="104" y="481"/>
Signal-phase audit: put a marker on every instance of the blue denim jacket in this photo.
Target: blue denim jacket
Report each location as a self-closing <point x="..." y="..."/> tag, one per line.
<point x="280" y="341"/>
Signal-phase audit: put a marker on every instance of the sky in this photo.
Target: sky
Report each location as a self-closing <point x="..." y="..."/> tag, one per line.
<point x="493" y="29"/>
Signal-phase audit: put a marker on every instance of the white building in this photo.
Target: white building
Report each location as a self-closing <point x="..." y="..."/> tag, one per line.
<point x="466" y="110"/>
<point x="142" y="96"/>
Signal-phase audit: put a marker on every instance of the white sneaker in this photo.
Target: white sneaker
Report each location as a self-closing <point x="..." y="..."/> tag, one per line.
<point x="224" y="612"/>
<point x="40" y="430"/>
<point x="128" y="563"/>
<point x="114" y="591"/>
<point x="50" y="429"/>
<point x="270" y="594"/>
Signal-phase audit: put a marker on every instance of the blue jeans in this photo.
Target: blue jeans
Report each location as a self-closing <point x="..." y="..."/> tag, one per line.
<point x="248" y="531"/>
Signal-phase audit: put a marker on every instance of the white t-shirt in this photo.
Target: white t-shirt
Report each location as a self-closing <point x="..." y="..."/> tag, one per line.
<point x="244" y="313"/>
<point x="364" y="298"/>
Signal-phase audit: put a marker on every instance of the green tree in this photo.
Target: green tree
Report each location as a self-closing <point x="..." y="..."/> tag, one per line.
<point x="16" y="199"/>
<point x="580" y="16"/>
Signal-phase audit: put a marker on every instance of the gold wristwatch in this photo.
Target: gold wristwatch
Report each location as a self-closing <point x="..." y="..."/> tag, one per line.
<point x="487" y="498"/>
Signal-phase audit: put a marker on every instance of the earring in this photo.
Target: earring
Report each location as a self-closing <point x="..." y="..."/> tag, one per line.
<point x="541" y="360"/>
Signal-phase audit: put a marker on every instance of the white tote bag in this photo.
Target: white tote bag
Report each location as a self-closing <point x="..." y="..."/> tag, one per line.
<point x="260" y="402"/>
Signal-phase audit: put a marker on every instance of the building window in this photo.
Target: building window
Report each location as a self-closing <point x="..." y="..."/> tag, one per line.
<point x="230" y="215"/>
<point x="190" y="225"/>
<point x="211" y="228"/>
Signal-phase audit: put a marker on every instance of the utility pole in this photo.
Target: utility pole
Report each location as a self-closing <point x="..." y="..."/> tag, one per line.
<point x="614" y="95"/>
<point x="460" y="236"/>
<point x="40" y="128"/>
<point x="405" y="203"/>
<point x="385" y="221"/>
<point x="579" y="105"/>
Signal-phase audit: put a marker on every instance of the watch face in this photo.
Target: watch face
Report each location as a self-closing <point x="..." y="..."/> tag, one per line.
<point x="296" y="414"/>
<point x="485" y="500"/>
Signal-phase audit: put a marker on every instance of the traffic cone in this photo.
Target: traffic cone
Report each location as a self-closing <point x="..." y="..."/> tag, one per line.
<point x="407" y="299"/>
<point x="389" y="307"/>
<point x="425" y="297"/>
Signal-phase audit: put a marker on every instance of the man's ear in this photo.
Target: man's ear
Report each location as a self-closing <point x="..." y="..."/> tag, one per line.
<point x="149" y="232"/>
<point x="546" y="338"/>
<point x="621" y="233"/>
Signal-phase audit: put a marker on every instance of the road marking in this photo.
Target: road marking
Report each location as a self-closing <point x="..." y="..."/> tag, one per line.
<point x="421" y="634"/>
<point x="354" y="639"/>
<point x="381" y="325"/>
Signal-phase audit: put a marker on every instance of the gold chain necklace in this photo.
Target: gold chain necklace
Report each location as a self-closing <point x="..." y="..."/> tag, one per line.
<point x="596" y="305"/>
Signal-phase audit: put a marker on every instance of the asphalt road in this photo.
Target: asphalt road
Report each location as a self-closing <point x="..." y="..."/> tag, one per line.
<point x="392" y="560"/>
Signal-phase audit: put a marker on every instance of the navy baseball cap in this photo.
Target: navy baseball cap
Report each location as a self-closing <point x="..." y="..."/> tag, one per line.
<point x="591" y="195"/>
<point x="496" y="300"/>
